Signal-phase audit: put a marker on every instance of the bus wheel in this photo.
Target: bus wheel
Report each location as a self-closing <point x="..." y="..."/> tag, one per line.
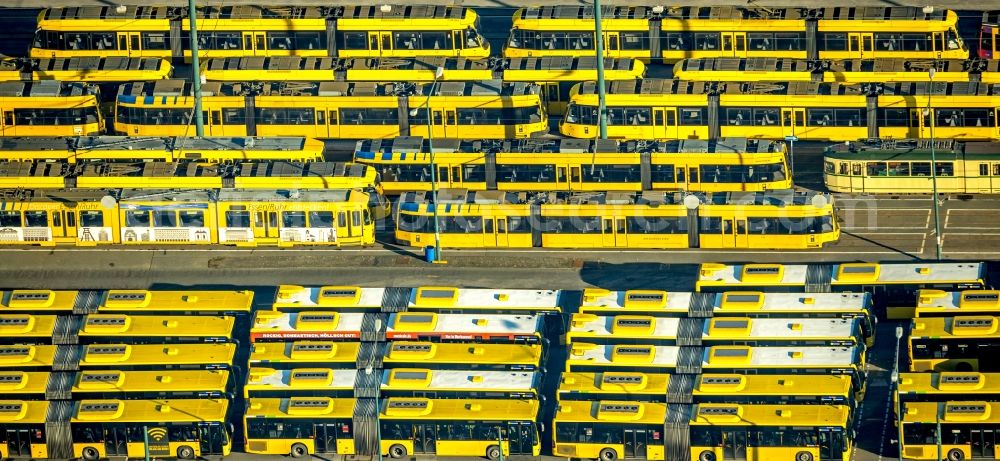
<point x="493" y="452"/>
<point x="706" y="456"/>
<point x="185" y="452"/>
<point x="91" y="454"/>
<point x="803" y="456"/>
<point x="299" y="450"/>
<point x="397" y="451"/>
<point x="608" y="454"/>
<point x="956" y="455"/>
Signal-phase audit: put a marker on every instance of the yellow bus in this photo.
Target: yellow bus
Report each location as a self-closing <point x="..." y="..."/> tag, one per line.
<point x="49" y="108"/>
<point x="152" y="384"/>
<point x="706" y="388"/>
<point x="843" y="71"/>
<point x="177" y="302"/>
<point x="811" y="111"/>
<point x="608" y="430"/>
<point x="34" y="329"/>
<point x="940" y="303"/>
<point x="24" y="436"/>
<point x="303" y="426"/>
<point x="87" y="149"/>
<point x="246" y="218"/>
<point x="892" y="285"/>
<point x="724" y="165"/>
<point x="305" y="354"/>
<point x="440" y="299"/>
<point x="39" y="301"/>
<point x="489" y="110"/>
<point x="903" y="167"/>
<point x="464" y="356"/>
<point x="156" y="329"/>
<point x="89" y="69"/>
<point x="490" y="428"/>
<point x="556" y="75"/>
<point x="397" y="31"/>
<point x="23" y="357"/>
<point x="24" y="385"/>
<point x="967" y="429"/>
<point x="125" y="357"/>
<point x="673" y="331"/>
<point x="750" y="304"/>
<point x="948" y="386"/>
<point x="806" y="360"/>
<point x="965" y="343"/>
<point x="181" y="428"/>
<point x="671" y="33"/>
<point x="497" y="219"/>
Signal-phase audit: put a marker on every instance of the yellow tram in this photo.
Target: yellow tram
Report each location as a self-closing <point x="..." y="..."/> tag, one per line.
<point x="49" y="108"/>
<point x="90" y="69"/>
<point x="843" y="71"/>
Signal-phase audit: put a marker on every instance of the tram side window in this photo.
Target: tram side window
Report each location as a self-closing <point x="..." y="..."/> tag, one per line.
<point x="36" y="219"/>
<point x="192" y="218"/>
<point x="584" y="115"/>
<point x="352" y="40"/>
<point x="321" y="219"/>
<point x="10" y="219"/>
<point x="165" y="218"/>
<point x="656" y="225"/>
<point x="738" y="116"/>
<point x="214" y="40"/>
<point x="706" y="41"/>
<point x="662" y="173"/>
<point x="571" y="225"/>
<point x="894" y="117"/>
<point x="137" y="218"/>
<point x="153" y="116"/>
<point x="833" y="41"/>
<point x="293" y="219"/>
<point x="240" y="219"/>
<point x="676" y="41"/>
<point x="233" y="117"/>
<point x="765" y="116"/>
<point x="474" y="173"/>
<point x="691" y="116"/>
<point x="89" y="218"/>
<point x="902" y="42"/>
<point x="877" y="169"/>
<point x="611" y="173"/>
<point x="964" y="117"/>
<point x="525" y="173"/>
<point x="461" y="224"/>
<point x="369" y="116"/>
<point x="55" y="116"/>
<point x="155" y="41"/>
<point x="709" y="225"/>
<point x="849" y="117"/>
<point x="921" y="168"/>
<point x="296" y="40"/>
<point x="788" y="226"/>
<point x="422" y="40"/>
<point x="945" y="169"/>
<point x="635" y="40"/>
<point x="267" y="116"/>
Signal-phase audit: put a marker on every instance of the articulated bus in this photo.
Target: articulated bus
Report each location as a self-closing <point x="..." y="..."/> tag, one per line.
<point x="464" y="356"/>
<point x="156" y="174"/>
<point x="94" y="429"/>
<point x="488" y="110"/>
<point x="152" y="384"/>
<point x="398" y="31"/>
<point x="497" y="219"/>
<point x="23" y="385"/>
<point x="87" y="149"/>
<point x="828" y="360"/>
<point x="265" y="382"/>
<point x="671" y="33"/>
<point x="948" y="386"/>
<point x="811" y="111"/>
<point x="34" y="329"/>
<point x="749" y="304"/>
<point x="965" y="343"/>
<point x="968" y="430"/>
<point x="156" y="329"/>
<point x="903" y="166"/>
<point x="306" y="354"/>
<point x="57" y="302"/>
<point x="707" y="388"/>
<point x="556" y="75"/>
<point x="245" y="218"/>
<point x="177" y="302"/>
<point x="125" y="357"/>
<point x="939" y="303"/>
<point x="843" y="71"/>
<point x="440" y="299"/>
<point x="673" y="331"/>
<point x="49" y="108"/>
<point x="323" y="325"/>
<point x="302" y="426"/>
<point x="23" y="357"/>
<point x="891" y="284"/>
<point x="89" y="69"/>
<point x="612" y="429"/>
<point x="724" y="165"/>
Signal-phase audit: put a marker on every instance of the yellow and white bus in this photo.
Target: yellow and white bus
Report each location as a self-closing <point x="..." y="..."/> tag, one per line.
<point x="464" y="356"/>
<point x="965" y="343"/>
<point x="967" y="429"/>
<point x="305" y="354"/>
<point x="608" y="430"/>
<point x="440" y="299"/>
<point x="673" y="331"/>
<point x="940" y="303"/>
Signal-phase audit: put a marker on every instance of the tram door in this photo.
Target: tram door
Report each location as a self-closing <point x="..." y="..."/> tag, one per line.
<point x="665" y="123"/>
<point x="495" y="230"/>
<point x="734" y="44"/>
<point x="860" y="45"/>
<point x="920" y="121"/>
<point x="265" y="225"/>
<point x="613" y="233"/>
<point x="635" y="443"/>
<point x="64" y="225"/>
<point x="734" y="445"/>
<point x="254" y="44"/>
<point x="424" y="438"/>
<point x="18" y="443"/>
<point x="734" y="233"/>
<point x="129" y="42"/>
<point x="793" y="121"/>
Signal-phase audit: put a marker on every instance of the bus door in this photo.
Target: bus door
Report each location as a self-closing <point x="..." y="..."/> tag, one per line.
<point x="860" y="45"/>
<point x="424" y="438"/>
<point x="613" y="232"/>
<point x="265" y="225"/>
<point x="115" y="441"/>
<point x="210" y="439"/>
<point x="983" y="443"/>
<point x="520" y="437"/>
<point x="793" y="121"/>
<point x="734" y="232"/>
<point x="18" y="443"/>
<point x="495" y="230"/>
<point x="635" y="443"/>
<point x="734" y="445"/>
<point x="326" y="437"/>
<point x="734" y="44"/>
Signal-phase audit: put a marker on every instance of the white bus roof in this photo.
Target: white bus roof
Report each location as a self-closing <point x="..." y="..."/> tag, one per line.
<point x="303" y="325"/>
<point x="969" y="300"/>
<point x="424" y="379"/>
<point x="730" y="301"/>
<point x="844" y="274"/>
<point x="311" y="378"/>
<point x="714" y="329"/>
<point x="483" y="298"/>
<point x="717" y="357"/>
<point x="413" y="325"/>
<point x="328" y="296"/>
